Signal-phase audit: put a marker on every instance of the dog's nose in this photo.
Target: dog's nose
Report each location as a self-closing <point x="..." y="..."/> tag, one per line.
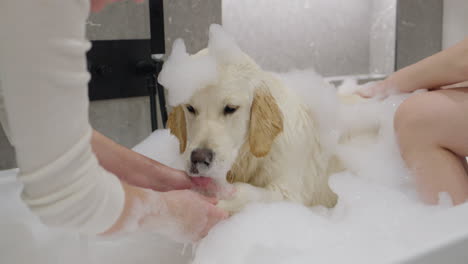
<point x="201" y="155"/>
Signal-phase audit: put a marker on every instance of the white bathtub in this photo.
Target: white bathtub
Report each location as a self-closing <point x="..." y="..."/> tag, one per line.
<point x="453" y="248"/>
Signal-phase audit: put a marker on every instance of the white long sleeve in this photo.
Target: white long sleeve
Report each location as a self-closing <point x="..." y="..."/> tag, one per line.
<point x="44" y="82"/>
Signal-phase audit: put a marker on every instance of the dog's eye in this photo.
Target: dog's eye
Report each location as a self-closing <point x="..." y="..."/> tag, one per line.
<point x="229" y="109"/>
<point x="191" y="109"/>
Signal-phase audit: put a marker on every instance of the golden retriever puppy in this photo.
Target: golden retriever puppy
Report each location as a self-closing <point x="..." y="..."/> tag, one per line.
<point x="258" y="134"/>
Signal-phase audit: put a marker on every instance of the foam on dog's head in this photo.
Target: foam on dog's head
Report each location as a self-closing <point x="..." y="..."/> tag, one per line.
<point x="223" y="47"/>
<point x="183" y="74"/>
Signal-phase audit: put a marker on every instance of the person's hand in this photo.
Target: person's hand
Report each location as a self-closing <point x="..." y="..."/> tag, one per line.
<point x="194" y="215"/>
<point x="137" y="169"/>
<point x="447" y="67"/>
<point x="181" y="215"/>
<point x="153" y="175"/>
<point x="379" y="90"/>
<point x="98" y="5"/>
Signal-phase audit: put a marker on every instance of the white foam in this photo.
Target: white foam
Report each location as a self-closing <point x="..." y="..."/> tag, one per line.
<point x="222" y="46"/>
<point x="24" y="240"/>
<point x="377" y="219"/>
<point x="183" y="74"/>
<point x="321" y="97"/>
<point x="371" y="224"/>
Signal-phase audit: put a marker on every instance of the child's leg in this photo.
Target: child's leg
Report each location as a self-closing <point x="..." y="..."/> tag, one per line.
<point x="432" y="130"/>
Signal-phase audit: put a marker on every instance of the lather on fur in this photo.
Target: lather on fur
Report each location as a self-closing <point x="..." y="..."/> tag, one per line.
<point x="245" y="126"/>
<point x="269" y="147"/>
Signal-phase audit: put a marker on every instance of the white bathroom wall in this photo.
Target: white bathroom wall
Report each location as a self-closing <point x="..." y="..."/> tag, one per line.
<point x="339" y="37"/>
<point x="455" y="22"/>
<point x="382" y="36"/>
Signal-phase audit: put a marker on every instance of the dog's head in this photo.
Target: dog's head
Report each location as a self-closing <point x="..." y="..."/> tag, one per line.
<point x="218" y="120"/>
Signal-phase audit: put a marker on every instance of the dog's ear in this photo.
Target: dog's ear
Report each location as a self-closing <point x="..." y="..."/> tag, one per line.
<point x="266" y="122"/>
<point x="177" y="126"/>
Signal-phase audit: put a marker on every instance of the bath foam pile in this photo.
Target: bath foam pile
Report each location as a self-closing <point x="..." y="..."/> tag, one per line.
<point x="192" y="73"/>
<point x="378" y="218"/>
<point x="183" y="74"/>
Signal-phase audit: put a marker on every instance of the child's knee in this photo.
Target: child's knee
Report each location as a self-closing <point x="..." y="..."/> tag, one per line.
<point x="423" y="113"/>
<point x="413" y="114"/>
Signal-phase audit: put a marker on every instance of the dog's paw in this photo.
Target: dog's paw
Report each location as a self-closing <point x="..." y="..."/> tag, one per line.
<point x="231" y="206"/>
<point x="243" y="195"/>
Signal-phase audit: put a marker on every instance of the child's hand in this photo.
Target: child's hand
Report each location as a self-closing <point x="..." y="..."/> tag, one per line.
<point x="380" y="90"/>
